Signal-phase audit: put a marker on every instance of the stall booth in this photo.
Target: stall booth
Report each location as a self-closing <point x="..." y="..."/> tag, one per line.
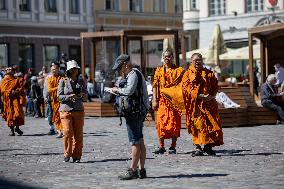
<point x="271" y="50"/>
<point x="100" y="49"/>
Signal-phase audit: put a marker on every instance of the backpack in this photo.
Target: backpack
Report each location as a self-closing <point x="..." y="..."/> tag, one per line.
<point x="133" y="104"/>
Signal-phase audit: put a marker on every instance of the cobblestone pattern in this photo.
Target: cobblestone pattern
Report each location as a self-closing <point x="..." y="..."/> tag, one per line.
<point x="252" y="158"/>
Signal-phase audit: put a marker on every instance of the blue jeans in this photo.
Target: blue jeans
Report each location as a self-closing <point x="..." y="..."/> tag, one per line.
<point x="48" y="114"/>
<point x="134" y="124"/>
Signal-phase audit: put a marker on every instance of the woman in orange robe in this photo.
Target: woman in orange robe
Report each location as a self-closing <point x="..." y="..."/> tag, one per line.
<point x="52" y="86"/>
<point x="168" y="116"/>
<point x="200" y="87"/>
<point x="13" y="95"/>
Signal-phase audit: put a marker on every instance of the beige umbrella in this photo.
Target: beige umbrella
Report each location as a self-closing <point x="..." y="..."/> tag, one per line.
<point x="241" y="54"/>
<point x="216" y="47"/>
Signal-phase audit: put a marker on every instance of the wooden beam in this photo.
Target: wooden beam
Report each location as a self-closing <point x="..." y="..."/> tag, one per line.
<point x="251" y="76"/>
<point x="266" y="30"/>
<point x="93" y="60"/>
<point x="262" y="63"/>
<point x="83" y="57"/>
<point x="104" y="34"/>
<point x="176" y="49"/>
<point x="156" y="37"/>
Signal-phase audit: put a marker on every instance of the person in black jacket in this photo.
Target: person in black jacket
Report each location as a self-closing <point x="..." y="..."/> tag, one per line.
<point x="270" y="98"/>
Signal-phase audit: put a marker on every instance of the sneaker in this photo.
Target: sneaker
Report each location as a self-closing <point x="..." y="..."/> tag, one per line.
<point x="160" y="151"/>
<point x="76" y="160"/>
<point x="129" y="175"/>
<point x="19" y="131"/>
<point x="12" y="134"/>
<point x="172" y="150"/>
<point x="142" y="173"/>
<point x="51" y="132"/>
<point x="208" y="150"/>
<point x="66" y="159"/>
<point x="198" y="152"/>
<point x="60" y="135"/>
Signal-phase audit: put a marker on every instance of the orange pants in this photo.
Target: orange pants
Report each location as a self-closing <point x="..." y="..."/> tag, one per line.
<point x="72" y="123"/>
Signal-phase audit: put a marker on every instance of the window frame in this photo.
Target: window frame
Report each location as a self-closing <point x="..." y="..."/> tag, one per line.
<point x="6" y="54"/>
<point x="3" y="2"/>
<point x="48" y="7"/>
<point x="162" y="6"/>
<point x="76" y="8"/>
<point x="255" y="6"/>
<point x="25" y="7"/>
<point x="135" y="2"/>
<point x="47" y="62"/>
<point x="216" y="8"/>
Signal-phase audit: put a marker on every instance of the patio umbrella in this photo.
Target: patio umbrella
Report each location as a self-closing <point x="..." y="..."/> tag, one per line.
<point x="216" y="47"/>
<point x="241" y="54"/>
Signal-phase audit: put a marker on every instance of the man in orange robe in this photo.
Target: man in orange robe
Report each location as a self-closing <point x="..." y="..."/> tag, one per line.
<point x="13" y="95"/>
<point x="52" y="86"/>
<point x="200" y="87"/>
<point x="168" y="116"/>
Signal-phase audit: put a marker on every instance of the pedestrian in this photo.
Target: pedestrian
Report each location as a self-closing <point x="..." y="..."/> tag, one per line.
<point x="279" y="74"/>
<point x="135" y="88"/>
<point x="52" y="87"/>
<point x="12" y="90"/>
<point x="36" y="96"/>
<point x="168" y="118"/>
<point x="271" y="99"/>
<point x="203" y="121"/>
<point x="71" y="94"/>
<point x="48" y="106"/>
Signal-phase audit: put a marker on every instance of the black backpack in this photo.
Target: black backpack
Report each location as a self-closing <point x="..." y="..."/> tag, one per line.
<point x="133" y="104"/>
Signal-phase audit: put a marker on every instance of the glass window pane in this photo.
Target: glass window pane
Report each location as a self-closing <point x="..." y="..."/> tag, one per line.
<point x="25" y="57"/>
<point x="2" y="5"/>
<point x="3" y="55"/>
<point x="25" y="5"/>
<point x="75" y="53"/>
<point x="74" y="6"/>
<point x="50" y="5"/>
<point x="50" y="53"/>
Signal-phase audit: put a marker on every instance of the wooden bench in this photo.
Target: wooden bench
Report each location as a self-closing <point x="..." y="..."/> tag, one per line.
<point x="249" y="113"/>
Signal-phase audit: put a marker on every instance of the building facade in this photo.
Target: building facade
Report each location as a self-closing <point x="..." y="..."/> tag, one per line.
<point x="234" y="17"/>
<point x="35" y="32"/>
<point x="111" y="15"/>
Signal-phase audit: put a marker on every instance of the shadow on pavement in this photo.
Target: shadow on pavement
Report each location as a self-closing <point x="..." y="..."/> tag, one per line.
<point x="191" y="175"/>
<point x="41" y="134"/>
<point x="107" y="160"/>
<point x="239" y="153"/>
<point x="7" y="150"/>
<point x="14" y="185"/>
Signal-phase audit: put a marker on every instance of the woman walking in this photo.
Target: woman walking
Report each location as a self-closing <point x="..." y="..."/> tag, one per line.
<point x="71" y="94"/>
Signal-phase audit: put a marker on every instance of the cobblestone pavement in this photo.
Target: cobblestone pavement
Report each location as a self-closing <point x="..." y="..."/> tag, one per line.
<point x="252" y="157"/>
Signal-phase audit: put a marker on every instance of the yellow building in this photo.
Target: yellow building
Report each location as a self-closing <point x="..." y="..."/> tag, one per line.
<point x="138" y="14"/>
<point x="112" y="15"/>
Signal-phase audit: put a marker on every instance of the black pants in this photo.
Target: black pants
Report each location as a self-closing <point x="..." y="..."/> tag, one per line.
<point x="275" y="107"/>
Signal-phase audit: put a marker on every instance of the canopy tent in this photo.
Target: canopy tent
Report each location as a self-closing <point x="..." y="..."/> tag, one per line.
<point x="241" y="53"/>
<point x="203" y="52"/>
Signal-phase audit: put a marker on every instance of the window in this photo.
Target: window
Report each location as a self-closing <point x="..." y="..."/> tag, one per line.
<point x="74" y="6"/>
<point x="25" y="5"/>
<point x="135" y="5"/>
<point x="111" y="5"/>
<point x="50" y="53"/>
<point x="254" y="5"/>
<point x="217" y="7"/>
<point x="178" y="6"/>
<point x="193" y="4"/>
<point x="3" y="55"/>
<point x="50" y="5"/>
<point x="75" y="53"/>
<point x="25" y="57"/>
<point x="158" y="6"/>
<point x="2" y="5"/>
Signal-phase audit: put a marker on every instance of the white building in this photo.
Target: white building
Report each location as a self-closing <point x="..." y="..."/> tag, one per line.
<point x="234" y="17"/>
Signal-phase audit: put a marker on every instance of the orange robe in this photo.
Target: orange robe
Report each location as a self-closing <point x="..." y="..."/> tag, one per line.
<point x="52" y="86"/>
<point x="168" y="115"/>
<point x="202" y="122"/>
<point x="13" y="106"/>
